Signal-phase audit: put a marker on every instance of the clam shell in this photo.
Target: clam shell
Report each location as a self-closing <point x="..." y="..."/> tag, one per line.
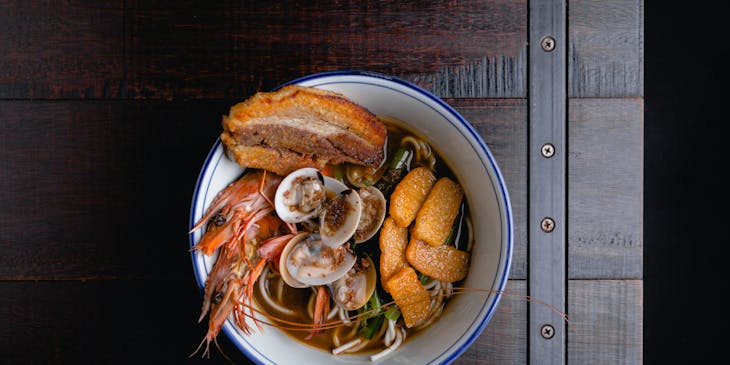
<point x="283" y="271"/>
<point x="340" y="215"/>
<point x="311" y="262"/>
<point x="300" y="195"/>
<point x="373" y="213"/>
<point x="354" y="289"/>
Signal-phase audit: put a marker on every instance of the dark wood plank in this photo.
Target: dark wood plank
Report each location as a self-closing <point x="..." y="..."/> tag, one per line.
<point x="606" y="50"/>
<point x="83" y="180"/>
<point x="230" y="50"/>
<point x="84" y="49"/>
<point x="504" y="340"/>
<point x="605" y="188"/>
<point x="71" y="49"/>
<point x="502" y="123"/>
<point x="606" y="318"/>
<point x="105" y="322"/>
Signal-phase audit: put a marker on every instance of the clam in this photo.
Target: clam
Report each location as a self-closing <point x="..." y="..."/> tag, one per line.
<point x="300" y="195"/>
<point x="307" y="261"/>
<point x="285" y="275"/>
<point x="340" y="214"/>
<point x="355" y="288"/>
<point x="373" y="213"/>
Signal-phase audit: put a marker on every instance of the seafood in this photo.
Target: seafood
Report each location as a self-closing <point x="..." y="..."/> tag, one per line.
<point x="306" y="193"/>
<point x="340" y="217"/>
<point x="321" y="308"/>
<point x="311" y="262"/>
<point x="235" y="210"/>
<point x="373" y="213"/>
<point x="353" y="289"/>
<point x="306" y="262"/>
<point x="300" y="195"/>
<point x="242" y="226"/>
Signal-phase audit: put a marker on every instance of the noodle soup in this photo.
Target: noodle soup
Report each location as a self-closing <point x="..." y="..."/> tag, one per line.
<point x="241" y="246"/>
<point x="378" y="325"/>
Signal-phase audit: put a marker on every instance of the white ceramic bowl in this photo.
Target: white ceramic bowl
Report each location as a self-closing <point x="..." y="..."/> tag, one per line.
<point x="468" y="156"/>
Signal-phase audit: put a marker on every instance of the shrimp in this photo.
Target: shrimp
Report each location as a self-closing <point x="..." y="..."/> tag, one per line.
<point x="236" y="209"/>
<point x="247" y="234"/>
<point x="321" y="308"/>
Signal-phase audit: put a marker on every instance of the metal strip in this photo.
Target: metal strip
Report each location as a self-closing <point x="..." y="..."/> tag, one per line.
<point x="547" y="180"/>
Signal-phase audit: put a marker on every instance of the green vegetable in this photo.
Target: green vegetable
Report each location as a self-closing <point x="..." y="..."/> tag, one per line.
<point x="400" y="159"/>
<point x="396" y="169"/>
<point x="371" y="325"/>
<point x="393" y="313"/>
<point x="452" y="234"/>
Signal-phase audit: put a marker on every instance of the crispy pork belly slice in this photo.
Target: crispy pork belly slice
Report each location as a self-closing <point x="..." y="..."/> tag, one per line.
<point x="302" y="127"/>
<point x="277" y="160"/>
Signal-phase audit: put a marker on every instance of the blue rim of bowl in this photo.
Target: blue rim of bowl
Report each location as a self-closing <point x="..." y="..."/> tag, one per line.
<point x="502" y="280"/>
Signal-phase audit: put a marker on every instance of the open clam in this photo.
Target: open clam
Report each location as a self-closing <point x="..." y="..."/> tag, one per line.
<point x="340" y="214"/>
<point x="373" y="213"/>
<point x="300" y="195"/>
<point x="285" y="275"/>
<point x="355" y="288"/>
<point x="307" y="261"/>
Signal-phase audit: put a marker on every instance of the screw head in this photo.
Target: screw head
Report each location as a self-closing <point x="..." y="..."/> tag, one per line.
<point x="547" y="331"/>
<point x="547" y="150"/>
<point x="547" y="43"/>
<point x="547" y="224"/>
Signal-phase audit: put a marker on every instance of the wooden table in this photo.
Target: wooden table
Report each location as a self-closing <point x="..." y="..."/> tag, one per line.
<point x="107" y="111"/>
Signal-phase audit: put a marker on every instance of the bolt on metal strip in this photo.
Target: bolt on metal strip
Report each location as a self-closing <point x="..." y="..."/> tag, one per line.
<point x="547" y="180"/>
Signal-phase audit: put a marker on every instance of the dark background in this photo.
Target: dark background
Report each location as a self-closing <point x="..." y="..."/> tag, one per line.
<point x="684" y="235"/>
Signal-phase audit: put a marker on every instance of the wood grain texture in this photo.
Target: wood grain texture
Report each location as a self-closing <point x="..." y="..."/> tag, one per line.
<point x="218" y="51"/>
<point x="83" y="180"/>
<point x="606" y="319"/>
<point x="502" y="123"/>
<point x="606" y="48"/>
<point x="227" y="49"/>
<point x="605" y="188"/>
<point x="71" y="49"/>
<point x="504" y="340"/>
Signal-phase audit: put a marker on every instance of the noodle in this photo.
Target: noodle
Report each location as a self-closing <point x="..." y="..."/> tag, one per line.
<point x="345" y="347"/>
<point x="263" y="288"/>
<point x="344" y="316"/>
<point x="280" y="290"/>
<point x="365" y="342"/>
<point x="423" y="155"/>
<point x="400" y="336"/>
